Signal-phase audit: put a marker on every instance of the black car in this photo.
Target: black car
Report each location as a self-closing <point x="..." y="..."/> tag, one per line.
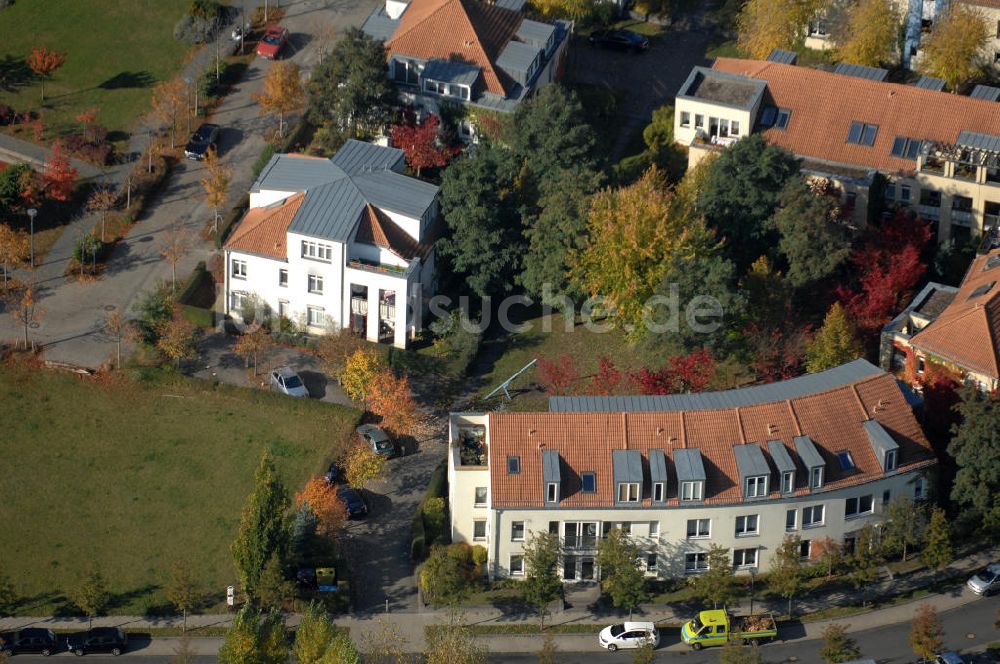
<point x="353" y="502"/>
<point x="33" y="640"/>
<point x="623" y="40"/>
<point x="201" y="141"/>
<point x="333" y="473"/>
<point x="98" y="639"/>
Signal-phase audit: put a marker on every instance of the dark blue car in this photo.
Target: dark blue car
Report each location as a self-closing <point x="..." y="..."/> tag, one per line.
<point x="353" y="502"/>
<point x="623" y="40"/>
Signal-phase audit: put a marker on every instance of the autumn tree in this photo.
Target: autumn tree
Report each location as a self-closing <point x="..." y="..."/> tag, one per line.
<point x="717" y="584"/>
<point x="542" y="584"/>
<point x="635" y="234"/>
<point x="828" y="553"/>
<point x="363" y="465"/>
<point x="333" y="349"/>
<point x="218" y="177"/>
<point x="255" y="638"/>
<point x="91" y="596"/>
<point x="390" y="398"/>
<point x="169" y="101"/>
<point x="454" y="643"/>
<point x="181" y="589"/>
<point x="176" y="245"/>
<point x="384" y="644"/>
<point x="253" y="344"/>
<point x="621" y="577"/>
<point x="341" y="650"/>
<point x="954" y="51"/>
<point x="43" y="62"/>
<point x="23" y="307"/>
<point x="282" y="91"/>
<point x="86" y="118"/>
<point x="871" y="34"/>
<point x="359" y="370"/>
<point x="682" y="374"/>
<point x="59" y="174"/>
<point x="764" y="25"/>
<point x="938" y="552"/>
<point x="102" y="200"/>
<point x="606" y="380"/>
<point x="835" y="343"/>
<point x="837" y="645"/>
<point x="313" y="635"/>
<point x="264" y="527"/>
<point x="321" y="498"/>
<point x="904" y="525"/>
<point x="787" y="577"/>
<point x="422" y="143"/>
<point x="926" y="633"/>
<point x="571" y="9"/>
<point x="178" y="339"/>
<point x="557" y="375"/>
<point x="14" y="249"/>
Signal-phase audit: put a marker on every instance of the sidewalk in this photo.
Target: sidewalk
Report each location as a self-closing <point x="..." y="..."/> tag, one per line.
<point x="411" y="626"/>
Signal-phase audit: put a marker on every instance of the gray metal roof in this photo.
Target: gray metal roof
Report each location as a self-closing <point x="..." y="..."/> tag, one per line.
<point x="550" y="466"/>
<point x="379" y="26"/>
<point x="657" y="466"/>
<point x="535" y="32"/>
<point x="861" y="71"/>
<point x="689" y="465"/>
<point x="986" y="92"/>
<point x="722" y="88"/>
<point x="627" y="466"/>
<point x="514" y="5"/>
<point x="750" y="460"/>
<point x="806" y="450"/>
<point x="330" y="211"/>
<point x="782" y="459"/>
<point x="359" y="157"/>
<point x="880" y="439"/>
<point x="294" y="173"/>
<point x="931" y="83"/>
<point x="444" y="71"/>
<point x="398" y="193"/>
<point x="783" y="57"/>
<point x="516" y="58"/>
<point x="793" y="388"/>
<point x="974" y="139"/>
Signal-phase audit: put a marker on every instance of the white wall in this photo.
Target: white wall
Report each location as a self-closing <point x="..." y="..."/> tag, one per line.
<point x="685" y="135"/>
<point x="264" y="198"/>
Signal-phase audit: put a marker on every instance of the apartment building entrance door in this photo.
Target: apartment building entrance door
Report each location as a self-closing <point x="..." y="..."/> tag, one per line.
<point x="578" y="568"/>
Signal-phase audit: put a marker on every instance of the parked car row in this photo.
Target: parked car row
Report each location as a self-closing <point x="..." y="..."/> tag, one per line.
<point x="40" y="641"/>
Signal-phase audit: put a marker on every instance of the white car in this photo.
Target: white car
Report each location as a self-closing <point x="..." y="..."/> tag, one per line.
<point x="629" y="635"/>
<point x="986" y="582"/>
<point x="286" y="381"/>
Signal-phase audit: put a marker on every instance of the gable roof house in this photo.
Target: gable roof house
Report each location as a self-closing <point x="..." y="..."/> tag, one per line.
<point x="340" y="242"/>
<point x="936" y="153"/>
<point x="470" y="52"/>
<point x="817" y="456"/>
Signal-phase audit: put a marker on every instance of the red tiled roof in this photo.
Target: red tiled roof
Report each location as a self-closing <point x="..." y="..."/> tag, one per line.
<point x="468" y="31"/>
<point x="375" y="227"/>
<point x="263" y="230"/>
<point x="967" y="331"/>
<point x="832" y="419"/>
<point x="824" y="105"/>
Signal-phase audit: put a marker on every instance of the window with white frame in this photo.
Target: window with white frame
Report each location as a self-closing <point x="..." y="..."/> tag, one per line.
<point x="480" y="496"/>
<point x="517" y="531"/>
<point x="239" y="300"/>
<point x="699" y="528"/>
<point x="651" y="563"/>
<point x="239" y="270"/>
<point x="479" y="530"/>
<point x="791" y="520"/>
<point x="890" y="460"/>
<point x="788" y="482"/>
<point x="517" y="565"/>
<point x="691" y="490"/>
<point x="315" y="284"/>
<point x="315" y="316"/>
<point x="812" y="516"/>
<point x="283" y="278"/>
<point x="756" y="486"/>
<point x="743" y="558"/>
<point x="654" y="529"/>
<point x="747" y="525"/>
<point x="695" y="562"/>
<point x="552" y="492"/>
<point x="628" y="492"/>
<point x="685" y="119"/>
<point x="317" y="251"/>
<point x="858" y="506"/>
<point x="659" y="493"/>
<point x="816" y="477"/>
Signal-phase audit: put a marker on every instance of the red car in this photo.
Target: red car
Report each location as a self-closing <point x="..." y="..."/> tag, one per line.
<point x="272" y="42"/>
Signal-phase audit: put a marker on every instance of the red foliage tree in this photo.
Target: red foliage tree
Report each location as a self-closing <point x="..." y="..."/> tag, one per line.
<point x="421" y="143"/>
<point x="59" y="174"/>
<point x="940" y="397"/>
<point x="43" y="62"/>
<point x="557" y="376"/>
<point x="888" y="262"/>
<point x="607" y="378"/>
<point x="684" y="373"/>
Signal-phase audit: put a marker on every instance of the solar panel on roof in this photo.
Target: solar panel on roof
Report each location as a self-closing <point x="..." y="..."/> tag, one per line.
<point x="930" y="83"/>
<point x="986" y="92"/>
<point x="860" y="71"/>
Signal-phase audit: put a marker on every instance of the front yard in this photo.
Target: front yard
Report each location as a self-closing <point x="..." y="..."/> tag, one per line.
<point x="136" y="474"/>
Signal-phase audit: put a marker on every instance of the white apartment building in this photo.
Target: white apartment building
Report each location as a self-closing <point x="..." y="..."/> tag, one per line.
<point x="816" y="456"/>
<point x="345" y="242"/>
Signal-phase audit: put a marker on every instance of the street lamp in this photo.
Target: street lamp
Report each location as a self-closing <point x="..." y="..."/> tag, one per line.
<point x="31" y="215"/>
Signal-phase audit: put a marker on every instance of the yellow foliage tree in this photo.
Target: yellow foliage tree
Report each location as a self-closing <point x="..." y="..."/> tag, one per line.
<point x="218" y="177"/>
<point x="389" y="398"/>
<point x="169" y="100"/>
<point x="178" y="339"/>
<point x="13" y="249"/>
<point x="872" y="34"/>
<point x="572" y="9"/>
<point x="282" y="91"/>
<point x="954" y="50"/>
<point x="252" y="345"/>
<point x="764" y="25"/>
<point x="102" y="200"/>
<point x="363" y="465"/>
<point x="324" y="503"/>
<point x="361" y="366"/>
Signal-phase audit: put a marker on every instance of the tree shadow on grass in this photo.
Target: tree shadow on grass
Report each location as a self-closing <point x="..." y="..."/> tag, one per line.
<point x="14" y="73"/>
<point x="128" y="79"/>
<point x="33" y="605"/>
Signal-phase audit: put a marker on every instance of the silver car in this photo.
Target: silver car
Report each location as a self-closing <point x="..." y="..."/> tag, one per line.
<point x="286" y="381"/>
<point x="986" y="582"/>
<point x="377" y="439"/>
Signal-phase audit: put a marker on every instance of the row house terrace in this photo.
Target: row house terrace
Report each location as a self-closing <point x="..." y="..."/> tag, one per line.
<point x="816" y="456"/>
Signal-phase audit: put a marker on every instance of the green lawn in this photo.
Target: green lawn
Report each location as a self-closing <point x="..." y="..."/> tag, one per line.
<point x="137" y="475"/>
<point x="116" y="50"/>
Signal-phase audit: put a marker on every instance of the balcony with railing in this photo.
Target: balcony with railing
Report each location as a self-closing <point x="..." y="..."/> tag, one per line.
<point x="578" y="542"/>
<point x="379" y="268"/>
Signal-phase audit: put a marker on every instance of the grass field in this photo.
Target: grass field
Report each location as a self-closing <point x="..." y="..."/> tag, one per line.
<point x="116" y="50"/>
<point x="136" y="475"/>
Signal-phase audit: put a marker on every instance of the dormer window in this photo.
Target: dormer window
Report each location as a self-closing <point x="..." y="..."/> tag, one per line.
<point x="884" y="446"/>
<point x="691" y="491"/>
<point x="628" y="475"/>
<point x="816" y="477"/>
<point x="890" y="460"/>
<point x="756" y="487"/>
<point x="628" y="492"/>
<point x="659" y="493"/>
<point x="812" y="460"/>
<point x="552" y="492"/>
<point x="754" y="470"/>
<point x="788" y="482"/>
<point x="658" y="475"/>
<point x="551" y="475"/>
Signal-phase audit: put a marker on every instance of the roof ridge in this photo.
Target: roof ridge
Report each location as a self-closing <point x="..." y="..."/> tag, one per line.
<point x="421" y="20"/>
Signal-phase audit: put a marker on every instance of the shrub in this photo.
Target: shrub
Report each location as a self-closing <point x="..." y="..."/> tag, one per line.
<point x="479" y="555"/>
<point x="206" y="9"/>
<point x="96" y="149"/>
<point x="195" y="29"/>
<point x="455" y="343"/>
<point x="418" y="540"/>
<point x="435" y="511"/>
<point x="262" y="160"/>
<point x="449" y="574"/>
